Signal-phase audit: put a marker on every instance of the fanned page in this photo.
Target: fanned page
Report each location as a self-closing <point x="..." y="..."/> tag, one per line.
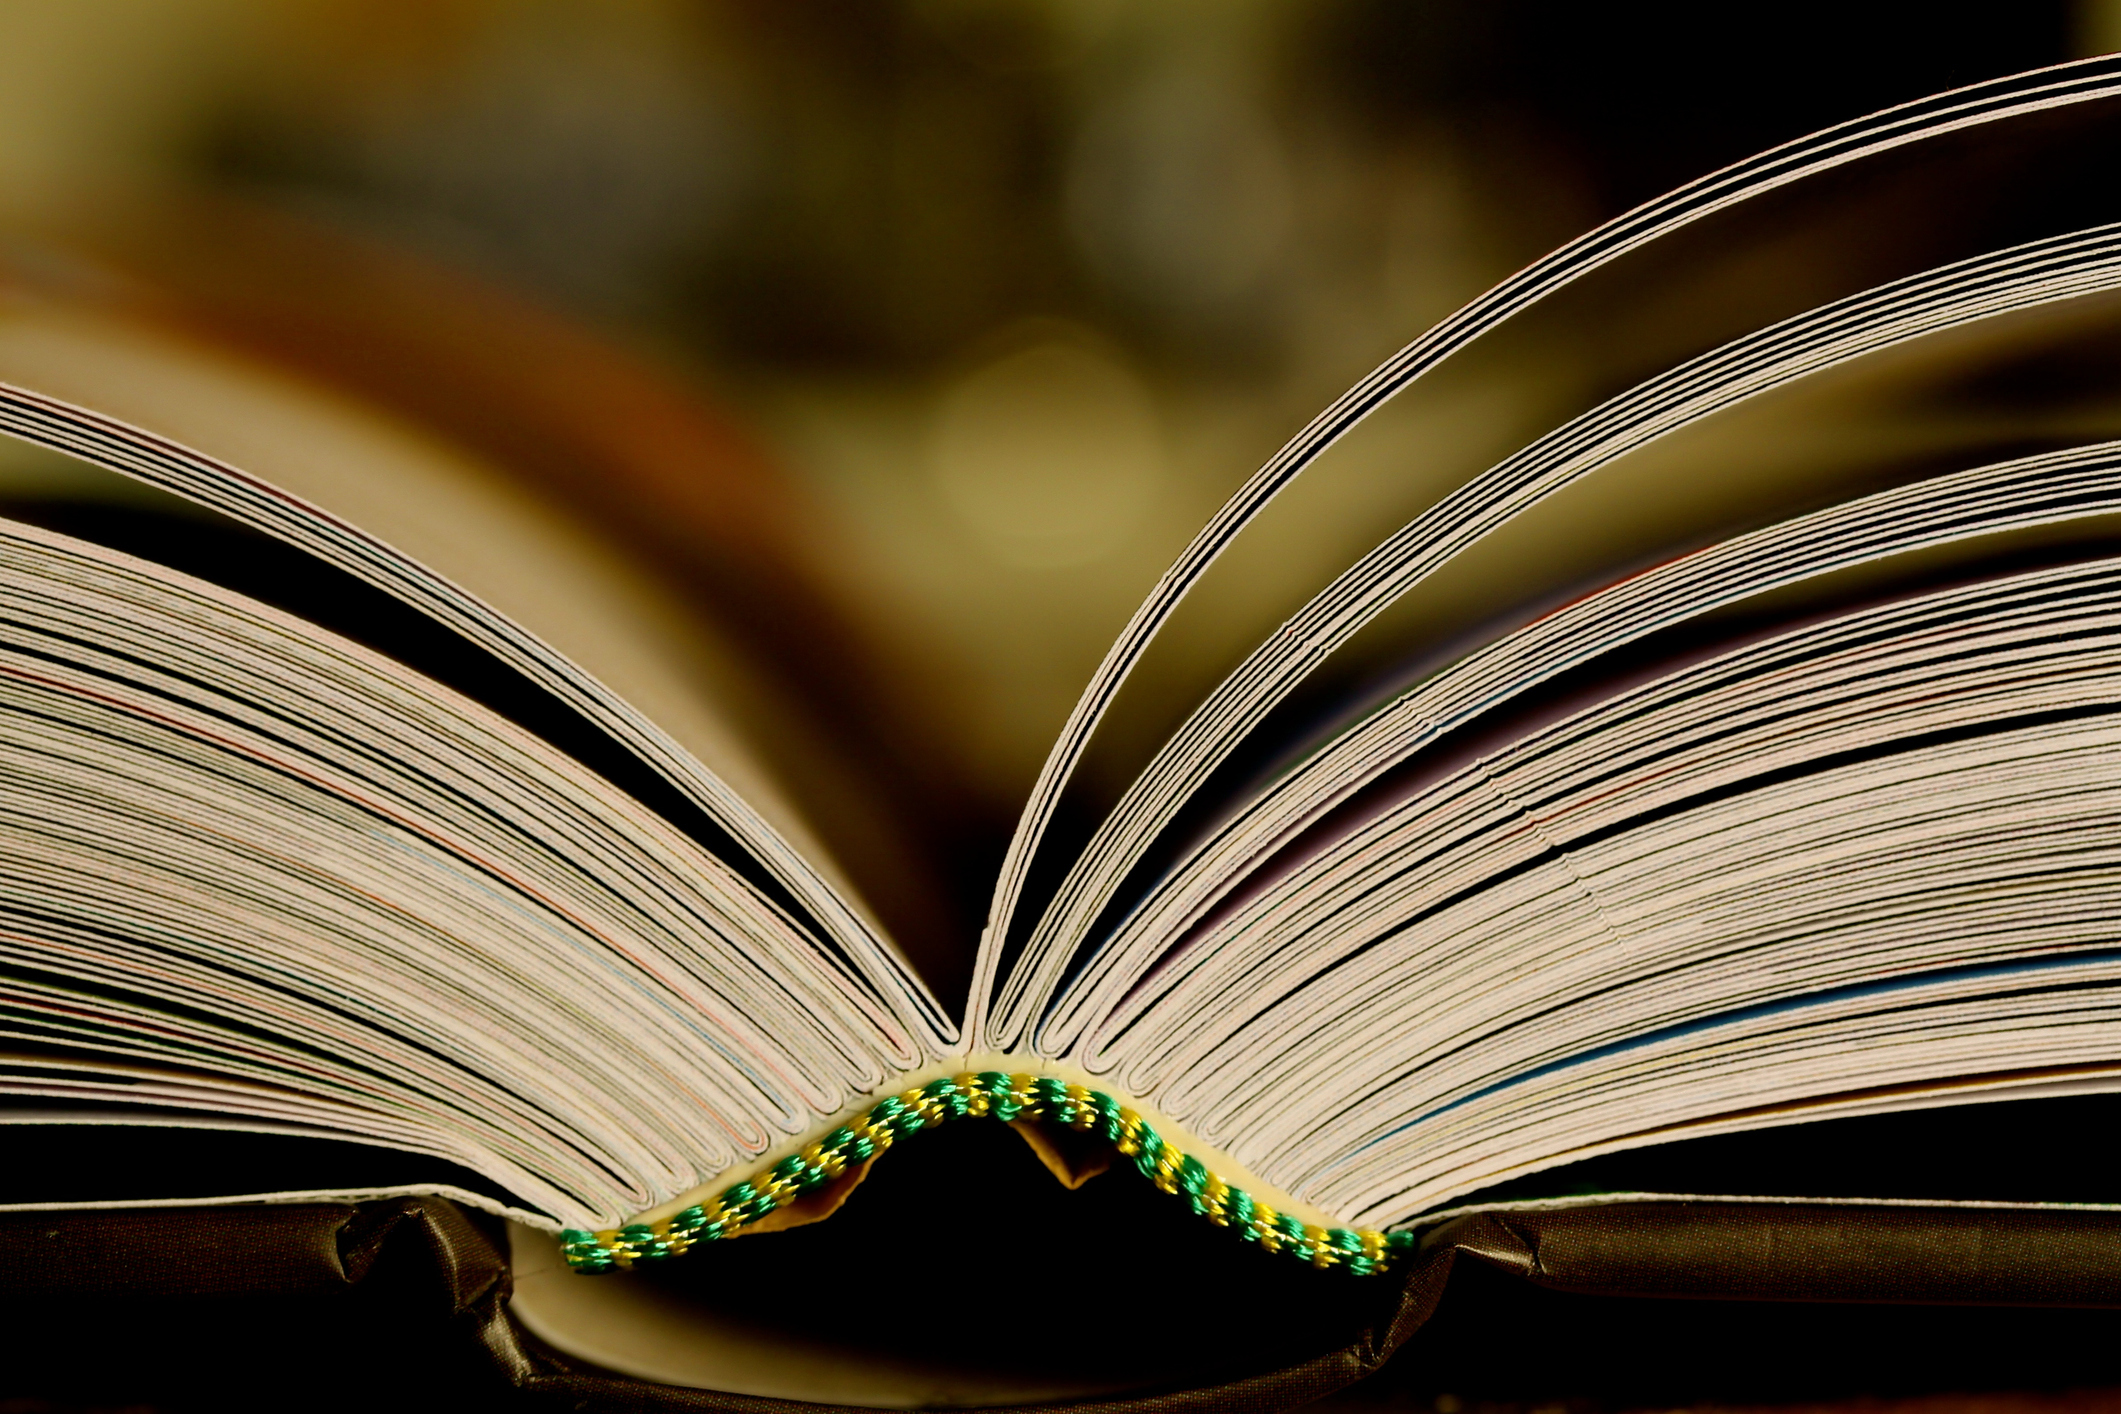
<point x="1333" y="933"/>
<point x="1726" y="748"/>
<point x="733" y="826"/>
<point x="758" y="1069"/>
<point x="258" y="876"/>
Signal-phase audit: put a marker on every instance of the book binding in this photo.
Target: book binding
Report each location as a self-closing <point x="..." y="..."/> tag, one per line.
<point x="985" y="1094"/>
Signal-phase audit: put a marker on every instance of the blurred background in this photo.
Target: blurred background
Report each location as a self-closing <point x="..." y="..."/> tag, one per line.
<point x="909" y="340"/>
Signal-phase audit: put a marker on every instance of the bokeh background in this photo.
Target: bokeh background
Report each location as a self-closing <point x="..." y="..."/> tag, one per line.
<point x="980" y="306"/>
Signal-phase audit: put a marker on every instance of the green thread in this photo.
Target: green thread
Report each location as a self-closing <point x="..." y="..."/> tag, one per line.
<point x="1003" y="1097"/>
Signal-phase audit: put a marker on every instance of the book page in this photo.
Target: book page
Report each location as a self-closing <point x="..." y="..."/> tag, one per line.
<point x="331" y="893"/>
<point x="753" y="842"/>
<point x="1750" y="211"/>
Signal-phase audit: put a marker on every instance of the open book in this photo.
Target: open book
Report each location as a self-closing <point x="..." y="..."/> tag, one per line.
<point x="1727" y="744"/>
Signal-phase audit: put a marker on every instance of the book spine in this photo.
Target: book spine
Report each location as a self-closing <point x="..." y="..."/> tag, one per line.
<point x="986" y="1094"/>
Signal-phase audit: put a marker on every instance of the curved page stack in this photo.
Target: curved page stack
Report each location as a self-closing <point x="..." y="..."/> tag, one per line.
<point x="1733" y="746"/>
